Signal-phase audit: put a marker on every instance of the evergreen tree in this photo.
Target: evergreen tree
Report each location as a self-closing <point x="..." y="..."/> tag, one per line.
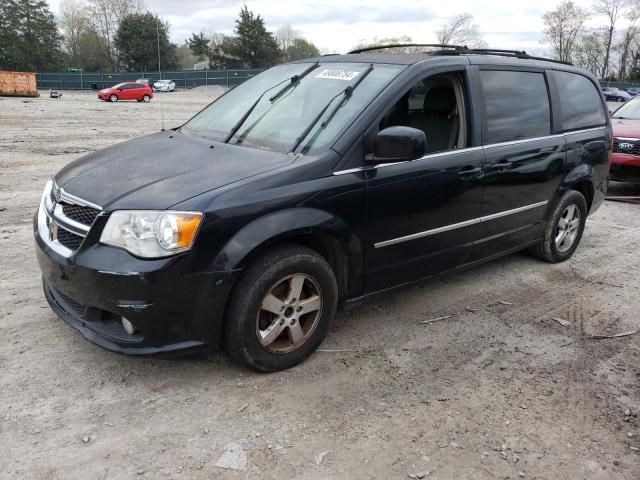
<point x="137" y="43"/>
<point x="301" y="48"/>
<point x="199" y="45"/>
<point x="254" y="46"/>
<point x="29" y="37"/>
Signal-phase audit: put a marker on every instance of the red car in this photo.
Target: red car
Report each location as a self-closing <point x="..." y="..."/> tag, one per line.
<point x="127" y="91"/>
<point x="625" y="157"/>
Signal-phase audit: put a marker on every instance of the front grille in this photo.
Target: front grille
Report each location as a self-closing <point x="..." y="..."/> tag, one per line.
<point x="630" y="147"/>
<point x="68" y="239"/>
<point x="67" y="220"/>
<point x="81" y="214"/>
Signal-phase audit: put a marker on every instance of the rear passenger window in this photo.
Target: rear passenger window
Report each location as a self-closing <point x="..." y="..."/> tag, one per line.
<point x="517" y="105"/>
<point x="580" y="101"/>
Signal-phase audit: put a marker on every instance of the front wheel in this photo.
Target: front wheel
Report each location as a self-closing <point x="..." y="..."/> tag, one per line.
<point x="563" y="229"/>
<point x="113" y="98"/>
<point x="281" y="309"/>
<point x="620" y="99"/>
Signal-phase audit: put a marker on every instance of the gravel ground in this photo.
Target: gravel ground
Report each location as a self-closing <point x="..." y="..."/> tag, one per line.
<point x="499" y="389"/>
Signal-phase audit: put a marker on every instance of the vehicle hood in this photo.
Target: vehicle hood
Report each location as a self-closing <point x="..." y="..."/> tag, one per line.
<point x="161" y="170"/>
<point x="106" y="90"/>
<point x="625" y="128"/>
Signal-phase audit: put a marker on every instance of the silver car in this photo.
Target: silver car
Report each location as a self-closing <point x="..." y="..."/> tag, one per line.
<point x="164" y="86"/>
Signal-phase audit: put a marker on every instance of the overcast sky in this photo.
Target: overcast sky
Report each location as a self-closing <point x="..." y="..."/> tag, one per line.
<point x="338" y="25"/>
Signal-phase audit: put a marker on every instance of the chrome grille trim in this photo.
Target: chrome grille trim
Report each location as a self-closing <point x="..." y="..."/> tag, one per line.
<point x="51" y="212"/>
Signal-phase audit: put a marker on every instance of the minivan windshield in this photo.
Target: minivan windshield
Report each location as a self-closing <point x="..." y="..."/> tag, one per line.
<point x="630" y="110"/>
<point x="276" y="124"/>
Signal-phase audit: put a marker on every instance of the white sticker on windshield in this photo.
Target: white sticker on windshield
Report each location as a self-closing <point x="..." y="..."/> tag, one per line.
<point x="338" y="74"/>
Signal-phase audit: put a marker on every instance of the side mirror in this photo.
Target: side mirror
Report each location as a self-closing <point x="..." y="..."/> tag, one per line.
<point x="398" y="144"/>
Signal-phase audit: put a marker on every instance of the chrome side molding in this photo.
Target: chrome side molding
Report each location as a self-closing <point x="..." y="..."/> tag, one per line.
<point x="454" y="226"/>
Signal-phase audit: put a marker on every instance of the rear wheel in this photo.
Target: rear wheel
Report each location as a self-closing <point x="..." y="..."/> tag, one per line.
<point x="281" y="309"/>
<point x="563" y="229"/>
<point x="113" y="98"/>
<point x="146" y="99"/>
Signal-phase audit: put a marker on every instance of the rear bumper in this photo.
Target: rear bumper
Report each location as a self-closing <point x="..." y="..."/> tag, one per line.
<point x="173" y="308"/>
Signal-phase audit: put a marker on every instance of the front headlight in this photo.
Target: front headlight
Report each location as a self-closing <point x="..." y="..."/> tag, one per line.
<point x="151" y="234"/>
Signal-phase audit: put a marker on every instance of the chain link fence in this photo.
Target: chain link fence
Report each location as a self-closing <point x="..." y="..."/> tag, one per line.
<point x="183" y="78"/>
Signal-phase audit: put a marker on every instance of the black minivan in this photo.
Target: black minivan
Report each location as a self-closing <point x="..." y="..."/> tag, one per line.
<point x="318" y="184"/>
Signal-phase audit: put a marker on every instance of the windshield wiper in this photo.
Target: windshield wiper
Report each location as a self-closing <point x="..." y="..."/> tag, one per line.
<point x="346" y="95"/>
<point x="292" y="81"/>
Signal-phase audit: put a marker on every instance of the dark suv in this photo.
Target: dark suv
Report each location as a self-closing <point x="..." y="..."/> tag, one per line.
<point x="319" y="184"/>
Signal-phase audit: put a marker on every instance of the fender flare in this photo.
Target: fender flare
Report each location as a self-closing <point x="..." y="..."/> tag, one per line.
<point x="580" y="173"/>
<point x="289" y="223"/>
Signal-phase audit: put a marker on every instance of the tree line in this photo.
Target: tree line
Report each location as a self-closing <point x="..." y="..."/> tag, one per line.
<point x="251" y="45"/>
<point x="608" y="51"/>
<point x="121" y="35"/>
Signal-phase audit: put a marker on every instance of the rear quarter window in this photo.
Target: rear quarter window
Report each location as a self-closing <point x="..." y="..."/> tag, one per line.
<point x="579" y="101"/>
<point x="516" y="105"/>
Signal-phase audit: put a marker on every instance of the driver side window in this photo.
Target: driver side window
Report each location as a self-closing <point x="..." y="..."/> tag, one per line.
<point x="436" y="106"/>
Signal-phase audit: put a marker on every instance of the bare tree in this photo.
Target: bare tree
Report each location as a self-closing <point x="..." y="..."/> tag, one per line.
<point x="589" y="52"/>
<point x="562" y="28"/>
<point x="286" y="35"/>
<point x="460" y="30"/>
<point x="612" y="9"/>
<point x="106" y="16"/>
<point x="630" y="37"/>
<point x="74" y="23"/>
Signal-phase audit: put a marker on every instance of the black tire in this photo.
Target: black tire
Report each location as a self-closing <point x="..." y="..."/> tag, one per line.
<point x="244" y="313"/>
<point x="113" y="98"/>
<point x="146" y="98"/>
<point x="548" y="249"/>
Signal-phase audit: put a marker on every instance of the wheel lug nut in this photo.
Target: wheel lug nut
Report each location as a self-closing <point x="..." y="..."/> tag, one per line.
<point x="299" y="309"/>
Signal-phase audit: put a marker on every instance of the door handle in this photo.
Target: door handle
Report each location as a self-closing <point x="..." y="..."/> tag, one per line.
<point x="470" y="172"/>
<point x="500" y="166"/>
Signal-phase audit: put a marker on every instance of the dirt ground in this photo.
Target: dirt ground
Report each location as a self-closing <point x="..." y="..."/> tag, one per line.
<point x="499" y="389"/>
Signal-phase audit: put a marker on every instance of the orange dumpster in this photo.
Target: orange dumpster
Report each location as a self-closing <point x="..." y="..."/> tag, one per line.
<point x="18" y="84"/>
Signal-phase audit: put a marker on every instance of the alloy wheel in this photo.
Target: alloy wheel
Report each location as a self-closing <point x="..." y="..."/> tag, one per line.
<point x="289" y="313"/>
<point x="568" y="228"/>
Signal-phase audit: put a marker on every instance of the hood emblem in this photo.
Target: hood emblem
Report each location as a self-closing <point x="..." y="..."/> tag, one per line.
<point x="53" y="231"/>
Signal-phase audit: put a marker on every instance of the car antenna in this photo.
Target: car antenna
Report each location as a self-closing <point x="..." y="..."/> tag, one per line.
<point x="159" y="71"/>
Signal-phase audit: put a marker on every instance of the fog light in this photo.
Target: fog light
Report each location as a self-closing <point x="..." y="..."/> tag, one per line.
<point x="128" y="326"/>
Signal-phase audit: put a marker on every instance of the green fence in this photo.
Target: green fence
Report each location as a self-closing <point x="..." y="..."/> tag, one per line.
<point x="183" y="79"/>
<point x="621" y="85"/>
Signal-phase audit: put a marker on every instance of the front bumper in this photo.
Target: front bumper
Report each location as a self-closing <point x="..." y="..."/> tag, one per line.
<point x="625" y="167"/>
<point x="173" y="307"/>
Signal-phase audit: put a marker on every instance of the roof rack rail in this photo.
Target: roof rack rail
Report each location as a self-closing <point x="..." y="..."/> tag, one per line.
<point x="503" y="53"/>
<point x="464" y="50"/>
<point x="400" y="45"/>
